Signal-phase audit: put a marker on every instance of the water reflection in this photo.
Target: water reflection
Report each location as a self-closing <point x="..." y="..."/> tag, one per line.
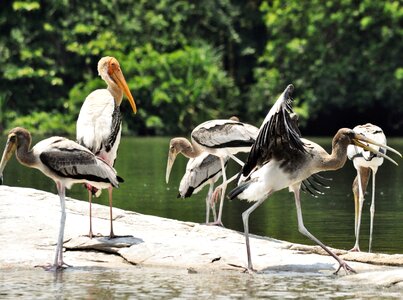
<point x="142" y="161"/>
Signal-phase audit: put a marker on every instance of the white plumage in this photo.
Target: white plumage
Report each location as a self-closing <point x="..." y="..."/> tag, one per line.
<point x="280" y="158"/>
<point x="202" y="170"/>
<point x="99" y="124"/>
<point x="222" y="138"/>
<point x="364" y="162"/>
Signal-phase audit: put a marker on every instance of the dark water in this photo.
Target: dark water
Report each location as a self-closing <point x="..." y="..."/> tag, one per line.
<point x="142" y="162"/>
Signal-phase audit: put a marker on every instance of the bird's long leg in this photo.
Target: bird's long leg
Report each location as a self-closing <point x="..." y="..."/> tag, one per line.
<point x="110" y="189"/>
<point x="90" y="201"/>
<point x="372" y="208"/>
<point x="245" y="219"/>
<point x="304" y="231"/>
<point x="208" y="199"/>
<point x="361" y="185"/>
<point x="358" y="210"/>
<point x="240" y="162"/>
<point x="223" y="187"/>
<point x="58" y="263"/>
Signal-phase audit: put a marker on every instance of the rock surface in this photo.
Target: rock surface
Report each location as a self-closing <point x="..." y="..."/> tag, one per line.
<point x="29" y="227"/>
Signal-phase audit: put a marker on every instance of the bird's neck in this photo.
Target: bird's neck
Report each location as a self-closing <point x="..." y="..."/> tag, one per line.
<point x="338" y="157"/>
<point x="116" y="92"/>
<point x="190" y="150"/>
<point x="24" y="155"/>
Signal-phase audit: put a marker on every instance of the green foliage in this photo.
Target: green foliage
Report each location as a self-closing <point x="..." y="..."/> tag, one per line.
<point x="341" y="55"/>
<point x="174" y="91"/>
<point x="189" y="61"/>
<point x="53" y="123"/>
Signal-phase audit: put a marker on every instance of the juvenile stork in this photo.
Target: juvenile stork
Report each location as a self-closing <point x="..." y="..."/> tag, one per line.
<point x="222" y="138"/>
<point x="66" y="163"/>
<point x="202" y="170"/>
<point x="365" y="161"/>
<point x="280" y="158"/>
<point x="99" y="124"/>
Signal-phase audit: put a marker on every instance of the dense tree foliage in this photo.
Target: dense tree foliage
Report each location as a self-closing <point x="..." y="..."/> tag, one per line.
<point x="190" y="61"/>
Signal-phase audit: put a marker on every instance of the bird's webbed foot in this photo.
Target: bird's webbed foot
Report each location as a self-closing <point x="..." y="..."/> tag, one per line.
<point x="54" y="267"/>
<point x="216" y="223"/>
<point x="355" y="249"/>
<point x="346" y="267"/>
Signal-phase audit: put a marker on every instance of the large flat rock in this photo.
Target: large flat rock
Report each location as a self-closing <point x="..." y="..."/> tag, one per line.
<point x="29" y="227"/>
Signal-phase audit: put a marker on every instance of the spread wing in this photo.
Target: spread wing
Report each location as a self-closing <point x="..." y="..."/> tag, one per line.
<point x="279" y="135"/>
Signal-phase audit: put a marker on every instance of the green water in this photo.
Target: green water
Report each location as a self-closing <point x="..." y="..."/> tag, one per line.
<point x="142" y="161"/>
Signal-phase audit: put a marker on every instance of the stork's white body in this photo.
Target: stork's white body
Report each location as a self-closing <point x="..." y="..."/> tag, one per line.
<point x="365" y="160"/>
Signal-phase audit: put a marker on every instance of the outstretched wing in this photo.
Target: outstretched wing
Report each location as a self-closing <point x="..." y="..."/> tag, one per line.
<point x="279" y="136"/>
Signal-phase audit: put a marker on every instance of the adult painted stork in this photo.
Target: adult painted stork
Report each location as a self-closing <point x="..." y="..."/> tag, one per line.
<point x="66" y="163"/>
<point x="280" y="158"/>
<point x="222" y="138"/>
<point x="99" y="123"/>
<point x="202" y="170"/>
<point x="365" y="161"/>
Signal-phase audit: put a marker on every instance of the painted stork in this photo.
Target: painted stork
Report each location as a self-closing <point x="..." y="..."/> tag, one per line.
<point x="222" y="138"/>
<point x="99" y="123"/>
<point x="280" y="158"/>
<point x="202" y="170"/>
<point x="66" y="163"/>
<point x="365" y="161"/>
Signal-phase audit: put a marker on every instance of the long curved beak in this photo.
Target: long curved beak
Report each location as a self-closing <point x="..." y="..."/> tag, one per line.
<point x="171" y="159"/>
<point x="120" y="80"/>
<point x="359" y="141"/>
<point x="10" y="148"/>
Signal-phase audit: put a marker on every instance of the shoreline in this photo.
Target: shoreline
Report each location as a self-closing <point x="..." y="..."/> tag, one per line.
<point x="30" y="221"/>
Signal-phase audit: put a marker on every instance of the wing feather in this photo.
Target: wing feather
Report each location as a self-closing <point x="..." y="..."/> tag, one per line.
<point x="67" y="159"/>
<point x="278" y="137"/>
<point x="224" y="134"/>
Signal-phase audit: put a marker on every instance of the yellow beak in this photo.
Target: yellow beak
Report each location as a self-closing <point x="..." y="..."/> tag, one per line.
<point x="10" y="148"/>
<point x="171" y="159"/>
<point x="359" y="141"/>
<point x="117" y="75"/>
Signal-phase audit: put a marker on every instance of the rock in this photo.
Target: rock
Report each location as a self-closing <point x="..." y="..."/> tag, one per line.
<point x="30" y="221"/>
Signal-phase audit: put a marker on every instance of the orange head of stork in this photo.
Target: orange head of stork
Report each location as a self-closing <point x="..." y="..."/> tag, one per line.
<point x="110" y="71"/>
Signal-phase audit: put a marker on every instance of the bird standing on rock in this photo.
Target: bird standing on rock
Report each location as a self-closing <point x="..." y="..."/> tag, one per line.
<point x="202" y="170"/>
<point x="99" y="124"/>
<point x="222" y="138"/>
<point x="280" y="159"/>
<point x="66" y="163"/>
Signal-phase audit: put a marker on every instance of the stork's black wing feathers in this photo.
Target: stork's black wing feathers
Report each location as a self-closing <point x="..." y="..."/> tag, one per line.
<point x="278" y="137"/>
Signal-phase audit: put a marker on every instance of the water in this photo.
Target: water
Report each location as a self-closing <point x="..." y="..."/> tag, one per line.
<point x="142" y="163"/>
<point x="154" y="283"/>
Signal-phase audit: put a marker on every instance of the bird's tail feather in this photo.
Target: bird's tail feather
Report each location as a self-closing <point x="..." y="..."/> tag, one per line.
<point x="239" y="189"/>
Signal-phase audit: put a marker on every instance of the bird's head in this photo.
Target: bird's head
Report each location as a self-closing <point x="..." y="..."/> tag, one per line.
<point x="109" y="70"/>
<point x="176" y="146"/>
<point x="14" y="136"/>
<point x="367" y="144"/>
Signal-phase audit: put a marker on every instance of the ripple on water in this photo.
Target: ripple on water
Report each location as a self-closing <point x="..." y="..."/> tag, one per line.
<point x="150" y="283"/>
